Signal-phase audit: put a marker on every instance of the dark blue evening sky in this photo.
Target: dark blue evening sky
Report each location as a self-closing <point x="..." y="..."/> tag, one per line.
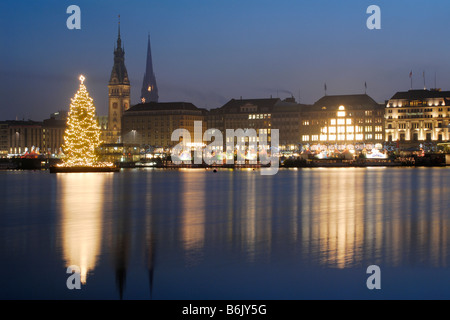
<point x="209" y="51"/>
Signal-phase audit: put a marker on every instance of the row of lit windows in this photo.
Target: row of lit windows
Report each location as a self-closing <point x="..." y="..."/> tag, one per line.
<point x="416" y="103"/>
<point x="341" y="137"/>
<point x="418" y="116"/>
<point x="351" y="129"/>
<point x="259" y="116"/>
<point x="417" y="110"/>
<point x="247" y="139"/>
<point x="347" y="121"/>
<point x="427" y="125"/>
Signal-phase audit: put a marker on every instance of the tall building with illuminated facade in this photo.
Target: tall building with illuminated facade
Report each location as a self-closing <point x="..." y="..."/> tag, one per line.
<point x="344" y="120"/>
<point x="119" y="93"/>
<point x="418" y="115"/>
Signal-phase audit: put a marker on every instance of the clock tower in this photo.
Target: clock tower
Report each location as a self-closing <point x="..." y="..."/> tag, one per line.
<point x="119" y="93"/>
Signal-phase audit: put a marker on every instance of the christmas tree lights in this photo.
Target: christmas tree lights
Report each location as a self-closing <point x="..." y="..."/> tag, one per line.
<point x="82" y="135"/>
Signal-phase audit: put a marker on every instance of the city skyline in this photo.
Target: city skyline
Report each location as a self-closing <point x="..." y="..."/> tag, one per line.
<point x="209" y="53"/>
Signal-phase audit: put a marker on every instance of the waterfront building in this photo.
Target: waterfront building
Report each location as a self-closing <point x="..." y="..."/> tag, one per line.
<point x="4" y="140"/>
<point x="262" y="115"/>
<point x="243" y="114"/>
<point x="353" y="122"/>
<point x="286" y="117"/>
<point x="417" y="116"/>
<point x="151" y="124"/>
<point x="20" y="136"/>
<point x="53" y="135"/>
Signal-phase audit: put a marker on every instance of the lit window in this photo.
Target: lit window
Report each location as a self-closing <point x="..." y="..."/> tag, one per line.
<point x="333" y="122"/>
<point x="350" y="137"/>
<point x="305" y="138"/>
<point x="332" y="129"/>
<point x="348" y="121"/>
<point x="341" y="121"/>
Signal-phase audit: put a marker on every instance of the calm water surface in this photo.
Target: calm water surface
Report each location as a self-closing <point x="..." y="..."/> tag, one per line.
<point x="195" y="234"/>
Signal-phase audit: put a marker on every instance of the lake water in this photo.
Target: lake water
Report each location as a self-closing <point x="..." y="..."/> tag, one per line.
<point x="196" y="234"/>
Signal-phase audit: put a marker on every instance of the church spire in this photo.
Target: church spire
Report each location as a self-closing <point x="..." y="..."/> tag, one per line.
<point x="149" y="92"/>
<point x="119" y="41"/>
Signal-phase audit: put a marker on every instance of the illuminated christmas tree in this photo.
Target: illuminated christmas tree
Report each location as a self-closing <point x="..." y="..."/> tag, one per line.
<point x="82" y="135"/>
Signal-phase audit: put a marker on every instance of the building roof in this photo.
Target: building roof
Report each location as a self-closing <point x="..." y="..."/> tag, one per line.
<point x="31" y="123"/>
<point x="13" y="123"/>
<point x="234" y="105"/>
<point x="161" y="106"/>
<point x="353" y="101"/>
<point x="420" y="94"/>
<point x="55" y="123"/>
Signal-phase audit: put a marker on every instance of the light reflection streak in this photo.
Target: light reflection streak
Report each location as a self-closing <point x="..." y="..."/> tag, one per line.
<point x="248" y="221"/>
<point x="81" y="220"/>
<point x="193" y="213"/>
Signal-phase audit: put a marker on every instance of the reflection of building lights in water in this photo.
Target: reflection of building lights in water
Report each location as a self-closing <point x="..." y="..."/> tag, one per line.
<point x="81" y="218"/>
<point x="344" y="221"/>
<point x="249" y="219"/>
<point x="193" y="206"/>
<point x="333" y="222"/>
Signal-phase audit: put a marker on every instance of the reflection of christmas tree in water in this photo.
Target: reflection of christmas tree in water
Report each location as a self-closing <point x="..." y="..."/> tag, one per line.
<point x="82" y="135"/>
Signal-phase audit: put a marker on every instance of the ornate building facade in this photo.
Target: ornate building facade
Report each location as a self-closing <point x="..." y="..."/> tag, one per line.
<point x="119" y="94"/>
<point x="418" y="116"/>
